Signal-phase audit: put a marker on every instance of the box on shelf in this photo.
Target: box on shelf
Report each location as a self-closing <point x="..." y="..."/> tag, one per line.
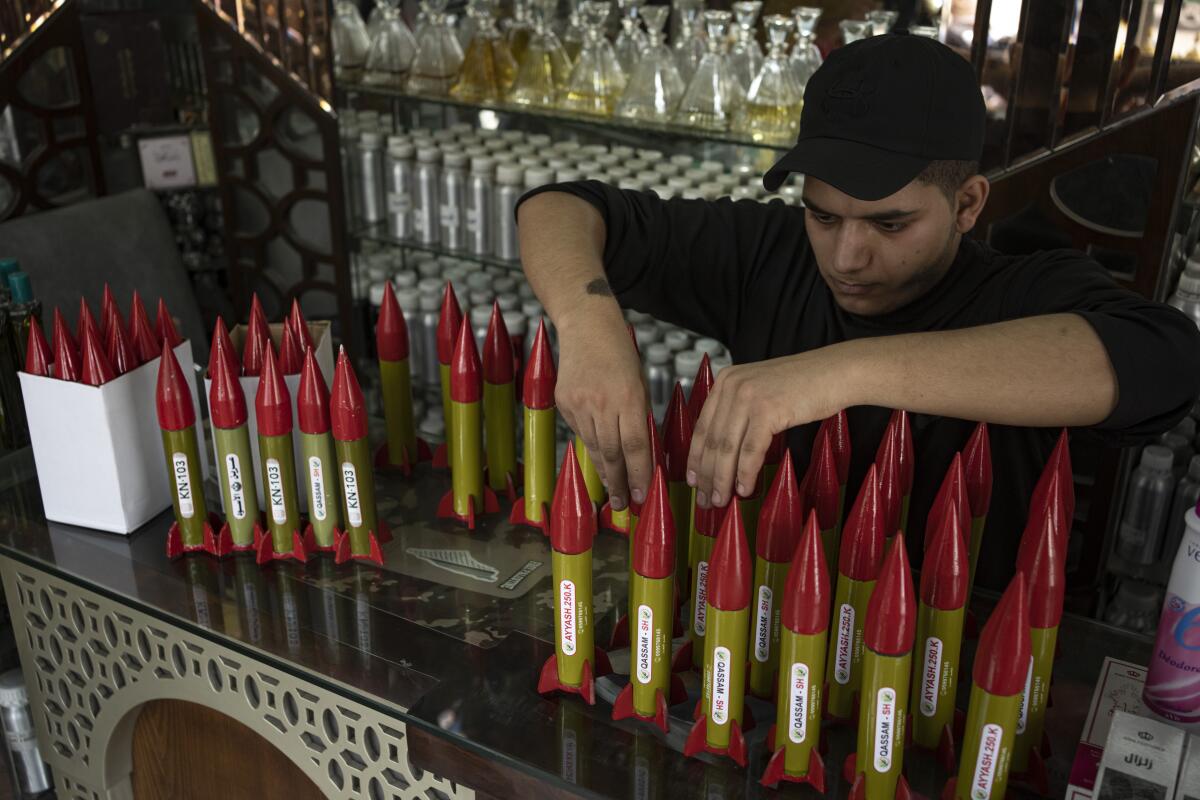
<point x="323" y="349"/>
<point x="1141" y="759"/>
<point x="1118" y="688"/>
<point x="98" y="449"/>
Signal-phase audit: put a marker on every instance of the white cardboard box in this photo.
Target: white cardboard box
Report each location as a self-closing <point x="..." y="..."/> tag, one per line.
<point x="319" y="331"/>
<point x="1118" y="688"/>
<point x="98" y="449"/>
<point x="1141" y="759"/>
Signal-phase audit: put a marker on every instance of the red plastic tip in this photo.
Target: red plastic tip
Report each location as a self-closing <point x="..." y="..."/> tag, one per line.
<point x="864" y="532"/>
<point x="729" y="568"/>
<point x="677" y="436"/>
<point x="838" y="427"/>
<point x="290" y="357"/>
<point x="890" y="493"/>
<point x="1067" y="486"/>
<point x="95" y="368"/>
<point x="118" y="349"/>
<point x="1042" y="557"/>
<point x="37" y="351"/>
<point x="977" y="464"/>
<point x="391" y="331"/>
<point x="466" y="373"/>
<point x="173" y="398"/>
<point x="572" y="516"/>
<point x="86" y="321"/>
<point x="821" y="488"/>
<point x="220" y="339"/>
<point x="947" y="565"/>
<point x="449" y="322"/>
<point x="226" y="399"/>
<point x="905" y="448"/>
<point x="258" y="340"/>
<point x="951" y="499"/>
<point x="312" y="400"/>
<point x="348" y="410"/>
<point x="701" y="386"/>
<point x="782" y="516"/>
<point x="776" y="449"/>
<point x="300" y="327"/>
<point x="498" y="366"/>
<point x="66" y="353"/>
<point x="892" y="613"/>
<point x="273" y="403"/>
<point x="147" y="346"/>
<point x="537" y="391"/>
<point x="110" y="312"/>
<point x="658" y="456"/>
<point x="654" y="539"/>
<point x="165" y="326"/>
<point x="1057" y="471"/>
<point x="1002" y="659"/>
<point x="806" y="596"/>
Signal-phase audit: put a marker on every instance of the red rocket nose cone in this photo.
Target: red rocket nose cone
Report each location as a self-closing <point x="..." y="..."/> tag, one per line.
<point x="729" y="571"/>
<point x="892" y="613"/>
<point x="890" y="493"/>
<point x="708" y="520"/>
<point x="537" y="392"/>
<point x="66" y="356"/>
<point x="1002" y="659"/>
<point x="226" y="400"/>
<point x="658" y="456"/>
<point x="300" y="327"/>
<point x="947" y="565"/>
<point x="391" y="332"/>
<point x="806" y="595"/>
<point x="572" y="516"/>
<point x="677" y="436"/>
<point x="448" y="324"/>
<point x="290" y="357"/>
<point x="273" y="403"/>
<point x="110" y="312"/>
<point x="37" y="351"/>
<point x="86" y="321"/>
<point x="863" y="534"/>
<point x="165" y="326"/>
<point x="145" y="343"/>
<point x="257" y="315"/>
<point x="95" y="368"/>
<point x="977" y="466"/>
<point x="312" y="401"/>
<point x="701" y="386"/>
<point x="466" y="373"/>
<point x="1067" y="486"/>
<point x="838" y="427"/>
<point x="821" y="485"/>
<point x="904" y="443"/>
<point x="951" y="499"/>
<point x="498" y="367"/>
<point x="221" y="340"/>
<point x="348" y="410"/>
<point x="654" y="539"/>
<point x="1042" y="557"/>
<point x="1056" y="473"/>
<point x="258" y="340"/>
<point x="782" y="516"/>
<point x="118" y="349"/>
<point x="173" y="399"/>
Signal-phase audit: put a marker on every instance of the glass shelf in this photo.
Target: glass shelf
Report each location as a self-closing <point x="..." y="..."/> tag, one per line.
<point x="378" y="232"/>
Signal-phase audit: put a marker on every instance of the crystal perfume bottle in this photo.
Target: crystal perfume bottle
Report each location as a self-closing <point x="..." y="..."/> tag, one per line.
<point x="746" y="55"/>
<point x="439" y="58"/>
<point x="714" y="93"/>
<point x="392" y="50"/>
<point x="519" y="29"/>
<point x="689" y="46"/>
<point x="545" y="68"/>
<point x="631" y="41"/>
<point x="470" y="24"/>
<point x="881" y="21"/>
<point x="350" y="42"/>
<point x="573" y="31"/>
<point x="375" y="18"/>
<point x="806" y="57"/>
<point x="854" y="29"/>
<point x="488" y="68"/>
<point x="655" y="87"/>
<point x="771" y="113"/>
<point x="681" y="9"/>
<point x="596" y="80"/>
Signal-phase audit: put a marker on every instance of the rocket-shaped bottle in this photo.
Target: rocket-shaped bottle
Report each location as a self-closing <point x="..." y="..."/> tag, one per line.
<point x="449" y="322"/>
<point x="837" y="428"/>
<point x="164" y="326"/>
<point x="299" y="326"/>
<point x="258" y="339"/>
<point x="66" y="351"/>
<point x="576" y="662"/>
<point x="822" y="492"/>
<point x="94" y="366"/>
<point x="610" y="518"/>
<point x="363" y="530"/>
<point x="804" y="623"/>
<point x="621" y="631"/>
<point x="37" y="352"/>
<point x="291" y="357"/>
<point x="677" y="441"/>
<point x="110" y="312"/>
<point x="118" y="347"/>
<point x="402" y="449"/>
<point x="321" y="471"/>
<point x="890" y="484"/>
<point x="192" y="530"/>
<point x="273" y="410"/>
<point x="877" y="765"/>
<point x="591" y="476"/>
<point x="88" y="323"/>
<point x="538" y="397"/>
<point x="904" y="442"/>
<point x="235" y="461"/>
<point x="977" y="466"/>
<point x="467" y="496"/>
<point x="147" y="346"/>
<point x="499" y="407"/>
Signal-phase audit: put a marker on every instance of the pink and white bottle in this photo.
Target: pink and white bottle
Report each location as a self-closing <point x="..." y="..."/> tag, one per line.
<point x="1173" y="683"/>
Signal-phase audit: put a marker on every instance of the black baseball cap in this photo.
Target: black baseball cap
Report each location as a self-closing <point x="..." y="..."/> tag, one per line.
<point x="879" y="110"/>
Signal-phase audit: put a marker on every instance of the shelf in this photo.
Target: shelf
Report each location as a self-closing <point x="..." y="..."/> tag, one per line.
<point x="589" y="122"/>
<point x="378" y="232"/>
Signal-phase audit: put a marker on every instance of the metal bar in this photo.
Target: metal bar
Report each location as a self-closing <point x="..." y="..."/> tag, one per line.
<point x="1066" y="56"/>
<point x="285" y="57"/>
<point x="1162" y="50"/>
<point x="1016" y="87"/>
<point x="1129" y="18"/>
<point x="979" y="39"/>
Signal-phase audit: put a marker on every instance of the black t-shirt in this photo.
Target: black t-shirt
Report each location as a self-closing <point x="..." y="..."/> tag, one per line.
<point x="743" y="273"/>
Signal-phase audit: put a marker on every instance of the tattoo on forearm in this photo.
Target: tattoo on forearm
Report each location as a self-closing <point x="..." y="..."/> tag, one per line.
<point x="599" y="287"/>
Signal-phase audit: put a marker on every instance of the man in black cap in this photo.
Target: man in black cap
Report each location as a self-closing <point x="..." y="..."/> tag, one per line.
<point x="869" y="298"/>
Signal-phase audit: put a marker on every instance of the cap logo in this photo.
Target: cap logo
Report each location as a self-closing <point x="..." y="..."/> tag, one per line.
<point x="851" y="95"/>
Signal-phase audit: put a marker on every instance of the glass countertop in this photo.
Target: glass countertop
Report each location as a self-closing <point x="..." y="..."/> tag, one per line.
<point x="449" y="637"/>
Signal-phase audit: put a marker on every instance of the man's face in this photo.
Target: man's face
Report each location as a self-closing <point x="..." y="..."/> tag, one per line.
<point x="879" y="255"/>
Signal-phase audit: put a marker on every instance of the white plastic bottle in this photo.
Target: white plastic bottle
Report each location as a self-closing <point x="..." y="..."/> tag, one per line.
<point x="1173" y="682"/>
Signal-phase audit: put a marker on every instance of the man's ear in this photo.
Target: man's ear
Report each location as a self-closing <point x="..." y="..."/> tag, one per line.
<point x="970" y="199"/>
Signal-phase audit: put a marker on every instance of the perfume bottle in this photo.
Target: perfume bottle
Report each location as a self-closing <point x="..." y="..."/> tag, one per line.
<point x="630" y="41"/>
<point x="439" y="58"/>
<point x="375" y="18"/>
<point x="470" y="24"/>
<point x="596" y="80"/>
<point x="350" y="42"/>
<point x="519" y="29"/>
<point x="806" y="56"/>
<point x="392" y="50"/>
<point x="655" y="87"/>
<point x="679" y="10"/>
<point x="545" y="68"/>
<point x="714" y="93"/>
<point x="573" y="31"/>
<point x="854" y="29"/>
<point x="746" y="55"/>
<point x="689" y="46"/>
<point x="881" y="21"/>
<point x="488" y="68"/>
<point x="771" y="113"/>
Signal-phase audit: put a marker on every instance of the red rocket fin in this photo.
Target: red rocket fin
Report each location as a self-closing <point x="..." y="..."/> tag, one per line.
<point x="587" y="684"/>
<point x="445" y="510"/>
<point x="850" y="772"/>
<point x="947" y="750"/>
<point x="698" y="711"/>
<point x="623" y="705"/>
<point x="695" y="737"/>
<point x="902" y="790"/>
<point x="620" y="634"/>
<point x="548" y="677"/>
<point x="384" y="532"/>
<point x="224" y="541"/>
<point x="603" y="665"/>
<point x="815" y="776"/>
<point x="1034" y="776"/>
<point x="440" y="457"/>
<point x="517" y="516"/>
<point x="662" y="717"/>
<point x="264" y="549"/>
<point x="682" y="660"/>
<point x="548" y="682"/>
<point x="310" y="541"/>
<point x="696" y="742"/>
<point x="623" y="709"/>
<point x="298" y="551"/>
<point x="341" y="547"/>
<point x="174" y="542"/>
<point x="771" y="738"/>
<point x="490" y="504"/>
<point x="606" y="520"/>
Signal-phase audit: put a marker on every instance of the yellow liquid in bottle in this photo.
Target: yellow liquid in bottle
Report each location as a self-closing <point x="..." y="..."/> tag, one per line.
<point x="486" y="74"/>
<point x="600" y="101"/>
<point x="769" y="124"/>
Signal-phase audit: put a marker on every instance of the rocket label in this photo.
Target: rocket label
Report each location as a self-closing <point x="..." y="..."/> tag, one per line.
<point x="720" y="688"/>
<point x="566" y="606"/>
<point x="237" y="491"/>
<point x="316" y="479"/>
<point x="645" y="643"/>
<point x="798" y="706"/>
<point x="353" y="498"/>
<point x="762" y="625"/>
<point x="699" y="622"/>
<point x="183" y="485"/>
<point x="275" y="490"/>
<point x="1023" y="714"/>
<point x="931" y="675"/>
<point x="986" y="761"/>
<point x="845" y="644"/>
<point x="885" y="727"/>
